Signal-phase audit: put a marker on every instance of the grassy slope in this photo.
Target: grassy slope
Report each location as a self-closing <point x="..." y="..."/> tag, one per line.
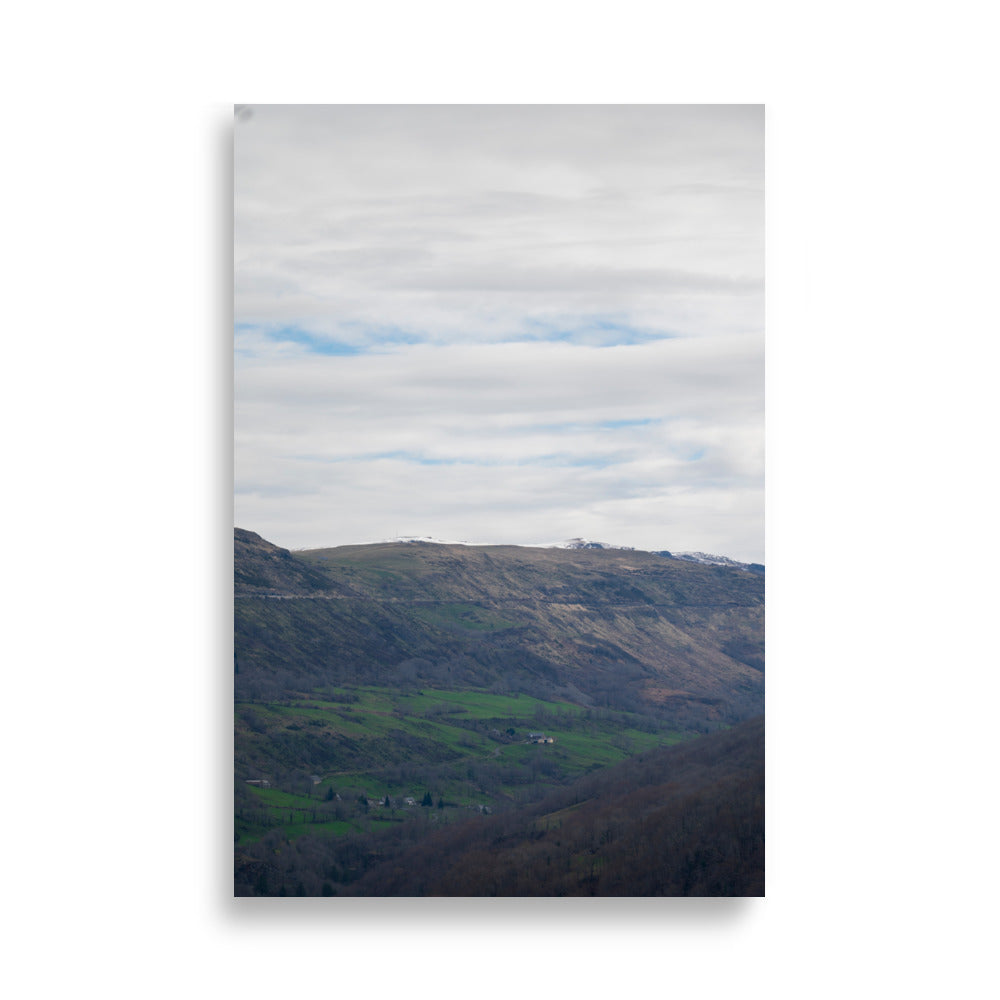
<point x="611" y="628"/>
<point x="456" y="744"/>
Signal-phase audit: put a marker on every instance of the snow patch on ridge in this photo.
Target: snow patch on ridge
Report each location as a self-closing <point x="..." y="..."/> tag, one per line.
<point x="586" y="543"/>
<point x="709" y="560"/>
<point x="570" y="543"/>
<point x="413" y="539"/>
<point x="704" y="558"/>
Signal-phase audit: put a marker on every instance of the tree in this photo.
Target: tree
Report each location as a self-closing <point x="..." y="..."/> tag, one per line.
<point x="329" y="794"/>
<point x="427" y="800"/>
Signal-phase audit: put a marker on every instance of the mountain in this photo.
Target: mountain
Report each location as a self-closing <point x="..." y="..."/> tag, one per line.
<point x="603" y="627"/>
<point x="709" y="560"/>
<point x="259" y="568"/>
<point x="480" y="714"/>
<point x="585" y="543"/>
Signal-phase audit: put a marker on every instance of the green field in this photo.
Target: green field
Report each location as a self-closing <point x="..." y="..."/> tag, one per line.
<point x="461" y="617"/>
<point x="331" y="757"/>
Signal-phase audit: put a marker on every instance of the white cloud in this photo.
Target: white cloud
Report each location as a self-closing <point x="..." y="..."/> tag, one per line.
<point x="471" y="435"/>
<point x="461" y="223"/>
<point x="557" y="314"/>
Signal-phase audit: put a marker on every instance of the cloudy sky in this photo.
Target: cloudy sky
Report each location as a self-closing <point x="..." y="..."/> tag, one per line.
<point x="500" y="324"/>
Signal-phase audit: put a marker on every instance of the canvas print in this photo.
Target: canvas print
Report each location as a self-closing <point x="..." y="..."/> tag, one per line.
<point x="499" y="491"/>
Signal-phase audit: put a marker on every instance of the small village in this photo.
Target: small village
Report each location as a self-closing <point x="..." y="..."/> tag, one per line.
<point x="409" y="801"/>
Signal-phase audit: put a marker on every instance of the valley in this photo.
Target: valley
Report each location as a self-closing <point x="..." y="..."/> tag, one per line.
<point x="387" y="694"/>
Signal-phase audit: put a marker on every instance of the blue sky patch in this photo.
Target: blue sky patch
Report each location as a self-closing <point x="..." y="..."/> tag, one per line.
<point x="617" y="425"/>
<point x="363" y="339"/>
<point x="593" y="332"/>
<point x="559" y="459"/>
<point x="383" y="335"/>
<point x="312" y="342"/>
<point x="582" y="427"/>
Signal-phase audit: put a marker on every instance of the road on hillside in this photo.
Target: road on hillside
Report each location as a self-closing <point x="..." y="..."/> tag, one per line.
<point x="478" y="603"/>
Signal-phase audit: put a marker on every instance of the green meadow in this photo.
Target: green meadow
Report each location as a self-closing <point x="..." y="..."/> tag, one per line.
<point x="331" y="757"/>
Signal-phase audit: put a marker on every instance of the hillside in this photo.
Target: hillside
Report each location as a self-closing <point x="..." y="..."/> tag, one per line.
<point x="682" y="821"/>
<point x="386" y="694"/>
<point x="604" y="628"/>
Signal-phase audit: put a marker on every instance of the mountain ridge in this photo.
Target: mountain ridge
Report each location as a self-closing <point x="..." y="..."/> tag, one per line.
<point x="570" y="543"/>
<point x="613" y="627"/>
